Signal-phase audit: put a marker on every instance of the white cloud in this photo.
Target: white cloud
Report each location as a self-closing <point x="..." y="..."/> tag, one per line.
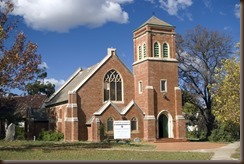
<point x="237" y="10"/>
<point x="58" y="83"/>
<point x="151" y="1"/>
<point x="227" y="28"/>
<point x="43" y="65"/>
<point x="173" y="6"/>
<point x="222" y="13"/>
<point x="208" y="4"/>
<point x="63" y="15"/>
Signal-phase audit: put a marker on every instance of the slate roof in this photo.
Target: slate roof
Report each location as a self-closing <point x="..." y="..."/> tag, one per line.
<point x="156" y="21"/>
<point x="121" y="111"/>
<point x="75" y="82"/>
<point x="62" y="94"/>
<point x="33" y="103"/>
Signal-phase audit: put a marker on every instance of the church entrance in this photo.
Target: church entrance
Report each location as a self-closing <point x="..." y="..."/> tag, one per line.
<point x="163" y="126"/>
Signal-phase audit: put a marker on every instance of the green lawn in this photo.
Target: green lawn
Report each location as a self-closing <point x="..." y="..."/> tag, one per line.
<point x="23" y="150"/>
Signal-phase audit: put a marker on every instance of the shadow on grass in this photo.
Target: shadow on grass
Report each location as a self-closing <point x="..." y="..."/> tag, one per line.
<point x="55" y="146"/>
<point x="48" y="146"/>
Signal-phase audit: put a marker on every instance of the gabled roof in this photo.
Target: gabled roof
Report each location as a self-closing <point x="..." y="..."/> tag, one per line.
<point x="62" y="94"/>
<point x="32" y="104"/>
<point x="127" y="108"/>
<point x="120" y="111"/>
<point x="76" y="81"/>
<point x="105" y="106"/>
<point x="155" y="21"/>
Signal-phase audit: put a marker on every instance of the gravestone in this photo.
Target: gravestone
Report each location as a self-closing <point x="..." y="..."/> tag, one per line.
<point x="137" y="140"/>
<point x="10" y="133"/>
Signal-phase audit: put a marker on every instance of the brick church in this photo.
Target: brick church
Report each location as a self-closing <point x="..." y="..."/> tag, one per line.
<point x="85" y="107"/>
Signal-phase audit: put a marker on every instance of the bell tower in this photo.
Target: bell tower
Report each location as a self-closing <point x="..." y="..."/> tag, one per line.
<point x="156" y="80"/>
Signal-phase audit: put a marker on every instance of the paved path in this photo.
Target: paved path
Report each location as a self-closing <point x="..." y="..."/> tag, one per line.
<point x="222" y="153"/>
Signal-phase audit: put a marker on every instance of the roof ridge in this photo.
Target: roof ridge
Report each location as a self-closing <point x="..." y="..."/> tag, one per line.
<point x="155" y="21"/>
<point x="65" y="84"/>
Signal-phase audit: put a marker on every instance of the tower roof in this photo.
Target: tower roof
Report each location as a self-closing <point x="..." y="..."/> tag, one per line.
<point x="156" y="21"/>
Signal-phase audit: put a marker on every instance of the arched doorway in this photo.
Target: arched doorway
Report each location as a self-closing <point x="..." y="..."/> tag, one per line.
<point x="163" y="126"/>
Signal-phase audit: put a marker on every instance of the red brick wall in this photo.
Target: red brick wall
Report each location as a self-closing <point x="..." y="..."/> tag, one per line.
<point x="90" y="96"/>
<point x="133" y="112"/>
<point x="150" y="71"/>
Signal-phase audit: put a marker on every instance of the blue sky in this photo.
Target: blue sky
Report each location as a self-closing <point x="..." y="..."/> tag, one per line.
<point x="76" y="33"/>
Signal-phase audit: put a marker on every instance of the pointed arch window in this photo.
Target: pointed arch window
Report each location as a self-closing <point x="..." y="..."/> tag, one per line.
<point x="165" y="50"/>
<point x="110" y="122"/>
<point x="144" y="51"/>
<point x="156" y="49"/>
<point x="140" y="52"/>
<point x="133" y="124"/>
<point x="112" y="86"/>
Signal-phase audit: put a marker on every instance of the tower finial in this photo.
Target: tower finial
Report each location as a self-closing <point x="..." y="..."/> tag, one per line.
<point x="153" y="13"/>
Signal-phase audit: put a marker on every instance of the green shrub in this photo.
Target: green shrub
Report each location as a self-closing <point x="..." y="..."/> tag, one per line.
<point x="51" y="136"/>
<point x="224" y="134"/>
<point x="19" y="133"/>
<point x="192" y="134"/>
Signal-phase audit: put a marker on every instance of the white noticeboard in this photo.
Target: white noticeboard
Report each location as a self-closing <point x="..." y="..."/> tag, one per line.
<point x="122" y="129"/>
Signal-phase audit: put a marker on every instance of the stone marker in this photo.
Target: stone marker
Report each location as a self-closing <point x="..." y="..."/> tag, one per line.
<point x="10" y="133"/>
<point x="137" y="140"/>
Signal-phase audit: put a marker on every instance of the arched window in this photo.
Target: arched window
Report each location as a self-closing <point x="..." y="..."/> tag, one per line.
<point x="156" y="49"/>
<point x="112" y="86"/>
<point x="133" y="124"/>
<point x="144" y="50"/>
<point x="165" y="50"/>
<point x="110" y="126"/>
<point x="139" y="53"/>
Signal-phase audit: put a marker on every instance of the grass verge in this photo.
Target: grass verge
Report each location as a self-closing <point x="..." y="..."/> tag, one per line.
<point x="24" y="150"/>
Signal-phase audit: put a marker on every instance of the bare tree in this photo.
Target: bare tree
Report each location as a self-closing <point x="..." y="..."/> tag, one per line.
<point x="200" y="52"/>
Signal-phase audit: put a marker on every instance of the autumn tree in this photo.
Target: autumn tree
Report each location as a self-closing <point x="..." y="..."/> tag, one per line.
<point x="199" y="53"/>
<point x="18" y="61"/>
<point x="227" y="92"/>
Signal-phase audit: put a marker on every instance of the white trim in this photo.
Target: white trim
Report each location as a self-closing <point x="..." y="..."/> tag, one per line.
<point x="159" y="50"/>
<point x="156" y="59"/>
<point x="140" y="87"/>
<point x="179" y="117"/>
<point x="149" y="87"/>
<point x="67" y="81"/>
<point x="102" y="109"/>
<point x="98" y="120"/>
<point x="143" y="50"/>
<point x="163" y="50"/>
<point x="149" y="117"/>
<point x="94" y="70"/>
<point x="105" y="106"/>
<point x="134" y="131"/>
<point x="72" y="105"/>
<point x="126" y="109"/>
<point x="59" y="119"/>
<point x="170" y="123"/>
<point x="89" y="122"/>
<point x="166" y="88"/>
<point x="140" y="35"/>
<point x="71" y="119"/>
<point x="177" y="88"/>
<point x="122" y="87"/>
<point x="138" y="52"/>
<point x="110" y="51"/>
